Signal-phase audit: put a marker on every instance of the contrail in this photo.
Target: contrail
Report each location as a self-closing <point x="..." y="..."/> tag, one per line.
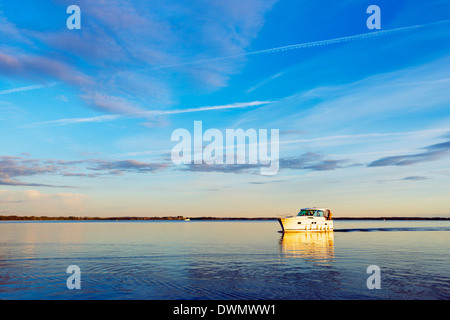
<point x="209" y="108"/>
<point x="103" y="118"/>
<point x="369" y="135"/>
<point x="39" y="86"/>
<point x="310" y="44"/>
<point x="63" y="122"/>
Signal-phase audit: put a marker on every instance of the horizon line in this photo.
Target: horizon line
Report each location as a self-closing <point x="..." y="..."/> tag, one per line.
<point x="182" y="218"/>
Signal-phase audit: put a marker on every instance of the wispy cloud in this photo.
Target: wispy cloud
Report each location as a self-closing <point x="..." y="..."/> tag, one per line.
<point x="364" y="136"/>
<point x="63" y="122"/>
<point x="415" y="178"/>
<point x="164" y="33"/>
<point x="16" y="183"/>
<point x="238" y="105"/>
<point x="118" y="167"/>
<point x="12" y="167"/>
<point x="312" y="44"/>
<point x="433" y="152"/>
<point x="357" y="112"/>
<point x="39" y="67"/>
<point x="314" y="161"/>
<point x="264" y="82"/>
<point x="27" y="88"/>
<point x="307" y="161"/>
<point x="222" y="168"/>
<point x="144" y="114"/>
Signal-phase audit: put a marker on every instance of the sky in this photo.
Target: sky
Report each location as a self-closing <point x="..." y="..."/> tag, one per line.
<point x="87" y="115"/>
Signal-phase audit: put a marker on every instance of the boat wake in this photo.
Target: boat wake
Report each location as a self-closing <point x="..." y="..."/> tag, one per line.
<point x="393" y="229"/>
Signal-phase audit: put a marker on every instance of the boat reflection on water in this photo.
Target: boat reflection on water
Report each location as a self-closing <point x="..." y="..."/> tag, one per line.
<point x="318" y="246"/>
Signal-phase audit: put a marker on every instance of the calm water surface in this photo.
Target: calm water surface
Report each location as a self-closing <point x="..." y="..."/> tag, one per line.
<point x="223" y="260"/>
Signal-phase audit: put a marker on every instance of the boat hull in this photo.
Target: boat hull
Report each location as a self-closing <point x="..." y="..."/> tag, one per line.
<point x="305" y="224"/>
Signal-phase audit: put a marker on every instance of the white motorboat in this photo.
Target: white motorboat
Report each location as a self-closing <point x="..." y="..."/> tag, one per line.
<point x="308" y="219"/>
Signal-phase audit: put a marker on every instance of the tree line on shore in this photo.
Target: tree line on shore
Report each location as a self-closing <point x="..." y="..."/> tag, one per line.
<point x="129" y="218"/>
<point x="87" y="218"/>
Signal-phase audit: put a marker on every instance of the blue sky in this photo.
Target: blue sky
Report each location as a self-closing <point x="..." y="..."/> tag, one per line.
<point x="86" y="116"/>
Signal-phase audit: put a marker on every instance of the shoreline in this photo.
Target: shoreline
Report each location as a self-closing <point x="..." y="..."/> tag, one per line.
<point x="181" y="218"/>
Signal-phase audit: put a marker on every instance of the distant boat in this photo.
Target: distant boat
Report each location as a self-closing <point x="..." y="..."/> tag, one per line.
<point x="308" y="219"/>
<point x="187" y="219"/>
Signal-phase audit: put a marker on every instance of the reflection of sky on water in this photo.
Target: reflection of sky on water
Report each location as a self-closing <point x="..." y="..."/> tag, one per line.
<point x="222" y="260"/>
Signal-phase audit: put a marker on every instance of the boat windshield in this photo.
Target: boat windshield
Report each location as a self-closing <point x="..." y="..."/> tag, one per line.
<point x="310" y="212"/>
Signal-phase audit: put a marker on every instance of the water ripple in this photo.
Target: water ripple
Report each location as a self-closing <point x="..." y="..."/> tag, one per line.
<point x="393" y="229"/>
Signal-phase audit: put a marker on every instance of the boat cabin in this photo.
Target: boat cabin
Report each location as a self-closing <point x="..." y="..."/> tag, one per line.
<point x="315" y="212"/>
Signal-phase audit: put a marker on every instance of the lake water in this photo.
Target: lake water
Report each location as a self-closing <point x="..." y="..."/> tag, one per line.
<point x="224" y="260"/>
